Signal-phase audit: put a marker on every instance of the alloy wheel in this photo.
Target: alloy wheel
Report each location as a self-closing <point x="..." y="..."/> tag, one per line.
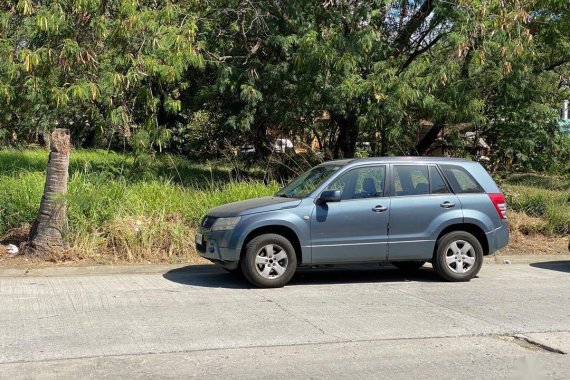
<point x="460" y="256"/>
<point x="271" y="261"/>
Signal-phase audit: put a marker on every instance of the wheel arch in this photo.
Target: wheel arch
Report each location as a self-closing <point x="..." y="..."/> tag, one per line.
<point x="473" y="229"/>
<point x="284" y="231"/>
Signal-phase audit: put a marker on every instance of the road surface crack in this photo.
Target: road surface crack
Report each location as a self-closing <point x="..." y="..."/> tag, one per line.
<point x="305" y="320"/>
<point x="536" y="344"/>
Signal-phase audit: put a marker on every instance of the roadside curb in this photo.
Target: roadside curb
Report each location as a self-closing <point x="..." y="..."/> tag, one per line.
<point x="104" y="270"/>
<point x="208" y="268"/>
<point x="525" y="259"/>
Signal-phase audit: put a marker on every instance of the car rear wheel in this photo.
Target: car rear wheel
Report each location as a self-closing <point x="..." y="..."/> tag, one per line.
<point x="408" y="266"/>
<point x="269" y="261"/>
<point x="458" y="257"/>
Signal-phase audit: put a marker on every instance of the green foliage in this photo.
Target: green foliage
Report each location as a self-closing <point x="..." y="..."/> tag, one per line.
<point x="183" y="75"/>
<point x="541" y="181"/>
<point x="364" y="71"/>
<point x="546" y="197"/>
<point x="106" y="67"/>
<point x="110" y="194"/>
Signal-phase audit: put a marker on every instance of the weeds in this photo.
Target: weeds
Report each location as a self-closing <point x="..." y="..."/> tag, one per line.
<point x="116" y="205"/>
<point x="552" y="206"/>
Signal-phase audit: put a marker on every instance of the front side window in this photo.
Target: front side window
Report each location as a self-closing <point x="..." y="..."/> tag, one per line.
<point x="411" y="180"/>
<point x="365" y="182"/>
<point x="307" y="182"/>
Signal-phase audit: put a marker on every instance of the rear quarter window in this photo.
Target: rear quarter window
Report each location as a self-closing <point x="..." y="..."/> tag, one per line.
<point x="460" y="180"/>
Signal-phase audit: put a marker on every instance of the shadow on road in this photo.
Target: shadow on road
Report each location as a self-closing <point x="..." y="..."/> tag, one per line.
<point x="208" y="275"/>
<point x="560" y="266"/>
<point x="211" y="276"/>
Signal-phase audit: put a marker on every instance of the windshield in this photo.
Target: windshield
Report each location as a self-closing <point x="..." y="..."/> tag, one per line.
<point x="307" y="182"/>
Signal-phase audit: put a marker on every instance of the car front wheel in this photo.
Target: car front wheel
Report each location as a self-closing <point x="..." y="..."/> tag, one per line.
<point x="458" y="256"/>
<point x="269" y="261"/>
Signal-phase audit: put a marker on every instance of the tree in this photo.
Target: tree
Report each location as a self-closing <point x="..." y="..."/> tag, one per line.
<point x="104" y="69"/>
<point x="49" y="229"/>
<point x="345" y="71"/>
<point x="379" y="68"/>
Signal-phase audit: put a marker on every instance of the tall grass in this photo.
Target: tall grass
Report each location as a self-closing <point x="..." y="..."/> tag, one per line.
<point x="121" y="206"/>
<point x="545" y="197"/>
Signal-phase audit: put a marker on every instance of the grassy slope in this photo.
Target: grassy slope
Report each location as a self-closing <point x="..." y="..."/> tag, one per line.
<point x="543" y="197"/>
<point x="147" y="210"/>
<point x="137" y="210"/>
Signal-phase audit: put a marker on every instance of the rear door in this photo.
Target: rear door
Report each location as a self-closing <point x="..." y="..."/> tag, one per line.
<point x="356" y="228"/>
<point x="421" y="203"/>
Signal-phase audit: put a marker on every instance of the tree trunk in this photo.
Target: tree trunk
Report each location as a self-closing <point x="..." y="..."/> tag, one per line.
<point x="261" y="143"/>
<point x="429" y="138"/>
<point x="49" y="228"/>
<point x="345" y="146"/>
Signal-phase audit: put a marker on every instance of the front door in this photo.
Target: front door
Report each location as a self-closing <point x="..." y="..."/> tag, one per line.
<point x="356" y="228"/>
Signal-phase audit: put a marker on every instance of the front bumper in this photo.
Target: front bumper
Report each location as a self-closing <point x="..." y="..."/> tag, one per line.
<point x="214" y="245"/>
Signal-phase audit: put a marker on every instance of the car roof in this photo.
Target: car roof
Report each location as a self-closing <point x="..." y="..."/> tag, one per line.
<point x="400" y="159"/>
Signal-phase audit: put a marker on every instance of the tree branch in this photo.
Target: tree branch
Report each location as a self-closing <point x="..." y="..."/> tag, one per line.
<point x="417" y="53"/>
<point x="412" y="26"/>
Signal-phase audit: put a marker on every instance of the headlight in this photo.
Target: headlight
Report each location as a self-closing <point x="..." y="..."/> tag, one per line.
<point x="222" y="224"/>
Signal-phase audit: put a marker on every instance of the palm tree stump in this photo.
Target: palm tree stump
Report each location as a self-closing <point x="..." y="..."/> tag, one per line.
<point x="48" y="231"/>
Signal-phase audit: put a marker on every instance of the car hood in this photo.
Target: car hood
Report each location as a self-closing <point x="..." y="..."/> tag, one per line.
<point x="252" y="206"/>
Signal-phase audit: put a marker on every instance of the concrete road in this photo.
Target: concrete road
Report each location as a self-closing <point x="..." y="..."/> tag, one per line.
<point x="513" y="321"/>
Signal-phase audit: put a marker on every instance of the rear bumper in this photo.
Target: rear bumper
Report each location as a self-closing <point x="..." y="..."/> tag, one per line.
<point x="498" y="238"/>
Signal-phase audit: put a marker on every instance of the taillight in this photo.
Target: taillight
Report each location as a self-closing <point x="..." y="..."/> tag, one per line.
<point x="500" y="204"/>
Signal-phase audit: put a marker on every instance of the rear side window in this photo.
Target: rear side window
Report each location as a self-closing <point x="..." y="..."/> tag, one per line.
<point x="460" y="180"/>
<point x="411" y="180"/>
<point x="437" y="184"/>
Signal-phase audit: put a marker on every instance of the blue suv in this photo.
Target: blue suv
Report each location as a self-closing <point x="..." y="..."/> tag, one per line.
<point x="403" y="210"/>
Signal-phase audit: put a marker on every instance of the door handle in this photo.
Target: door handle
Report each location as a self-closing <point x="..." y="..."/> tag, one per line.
<point x="447" y="204"/>
<point x="379" y="208"/>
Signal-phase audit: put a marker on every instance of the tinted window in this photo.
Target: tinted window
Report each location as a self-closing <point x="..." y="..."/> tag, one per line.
<point x="460" y="179"/>
<point x="437" y="184"/>
<point x="411" y="180"/>
<point x="307" y="182"/>
<point x="367" y="182"/>
<point x="340" y="183"/>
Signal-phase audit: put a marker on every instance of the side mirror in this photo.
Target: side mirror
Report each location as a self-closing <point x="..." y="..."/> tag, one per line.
<point x="330" y="196"/>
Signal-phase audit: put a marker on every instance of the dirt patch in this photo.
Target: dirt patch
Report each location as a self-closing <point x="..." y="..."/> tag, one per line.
<point x="525" y="237"/>
<point x="16" y="236"/>
<point x="69" y="258"/>
<point x="536" y="245"/>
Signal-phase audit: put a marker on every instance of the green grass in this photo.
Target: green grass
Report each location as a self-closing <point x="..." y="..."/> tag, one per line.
<point x="541" y="181"/>
<point x="542" y="196"/>
<point x="137" y="210"/>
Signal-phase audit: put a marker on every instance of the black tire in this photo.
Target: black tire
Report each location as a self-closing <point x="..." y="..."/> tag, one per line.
<point x="408" y="266"/>
<point x="251" y="270"/>
<point x="444" y="251"/>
